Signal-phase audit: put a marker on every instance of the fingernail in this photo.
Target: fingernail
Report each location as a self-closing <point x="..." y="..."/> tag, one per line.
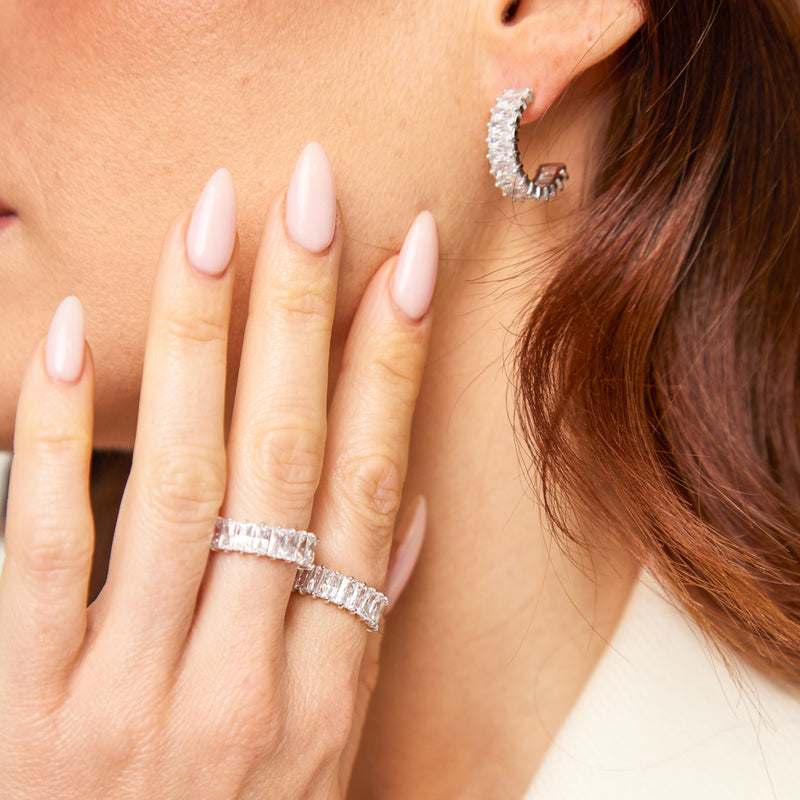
<point x="414" y="276"/>
<point x="405" y="556"/>
<point x="311" y="200"/>
<point x="65" y="349"/>
<point x="212" y="228"/>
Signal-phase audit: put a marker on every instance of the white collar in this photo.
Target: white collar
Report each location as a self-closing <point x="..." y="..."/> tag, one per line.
<point x="662" y="718"/>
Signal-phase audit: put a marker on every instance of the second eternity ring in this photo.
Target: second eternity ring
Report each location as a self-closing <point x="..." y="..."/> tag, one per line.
<point x="347" y="593"/>
<point x="285" y="544"/>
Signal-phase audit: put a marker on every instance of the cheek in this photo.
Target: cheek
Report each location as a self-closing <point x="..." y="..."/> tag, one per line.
<point x="103" y="139"/>
<point x="114" y="113"/>
<point x="94" y="95"/>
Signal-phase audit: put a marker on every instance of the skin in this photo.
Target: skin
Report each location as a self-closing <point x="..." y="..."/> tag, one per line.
<point x="145" y="100"/>
<point x="115" y="114"/>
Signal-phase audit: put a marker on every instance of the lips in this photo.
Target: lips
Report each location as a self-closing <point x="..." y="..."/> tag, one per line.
<point x="7" y="216"/>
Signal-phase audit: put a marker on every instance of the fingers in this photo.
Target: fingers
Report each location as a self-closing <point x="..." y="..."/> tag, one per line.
<point x="278" y="429"/>
<point x="170" y="616"/>
<point x="178" y="473"/>
<point x="369" y="429"/>
<point x="277" y="437"/>
<point x="49" y="532"/>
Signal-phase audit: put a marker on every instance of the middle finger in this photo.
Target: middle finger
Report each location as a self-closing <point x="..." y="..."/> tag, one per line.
<point x="277" y="437"/>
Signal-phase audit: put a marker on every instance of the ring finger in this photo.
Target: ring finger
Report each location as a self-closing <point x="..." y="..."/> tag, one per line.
<point x="367" y="447"/>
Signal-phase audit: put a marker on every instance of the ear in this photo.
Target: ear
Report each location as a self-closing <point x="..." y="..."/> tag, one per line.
<point x="545" y="44"/>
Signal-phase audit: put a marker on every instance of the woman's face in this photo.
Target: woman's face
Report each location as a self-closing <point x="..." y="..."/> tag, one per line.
<point x="113" y="113"/>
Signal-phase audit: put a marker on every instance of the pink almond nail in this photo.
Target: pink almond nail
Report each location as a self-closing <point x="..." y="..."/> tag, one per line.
<point x="66" y="342"/>
<point x="405" y="557"/>
<point x="212" y="229"/>
<point x="311" y="200"/>
<point x="414" y="276"/>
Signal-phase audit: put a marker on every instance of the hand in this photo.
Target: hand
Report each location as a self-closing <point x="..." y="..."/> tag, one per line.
<point x="198" y="674"/>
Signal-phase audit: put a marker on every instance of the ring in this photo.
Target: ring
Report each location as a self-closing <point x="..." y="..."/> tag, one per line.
<point x="347" y="593"/>
<point x="285" y="544"/>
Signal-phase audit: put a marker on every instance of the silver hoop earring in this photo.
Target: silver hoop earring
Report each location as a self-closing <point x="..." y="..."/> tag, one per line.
<point x="503" y="140"/>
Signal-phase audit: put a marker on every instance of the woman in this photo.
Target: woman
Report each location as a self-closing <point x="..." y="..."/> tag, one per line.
<point x="644" y="324"/>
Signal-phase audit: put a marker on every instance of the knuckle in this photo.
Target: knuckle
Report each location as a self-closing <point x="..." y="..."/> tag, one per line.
<point x="254" y="735"/>
<point x="333" y="720"/>
<point x="333" y="735"/>
<point x="309" y="305"/>
<point x="184" y="487"/>
<point x="396" y="366"/>
<point x="186" y="326"/>
<point x="57" y="440"/>
<point x="287" y="462"/>
<point x="123" y="736"/>
<point x="372" y="487"/>
<point x="118" y="745"/>
<point x="250" y="726"/>
<point x="51" y="549"/>
<point x="323" y="732"/>
<point x="231" y="716"/>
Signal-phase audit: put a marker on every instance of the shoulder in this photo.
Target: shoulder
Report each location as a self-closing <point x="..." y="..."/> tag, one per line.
<point x="662" y="717"/>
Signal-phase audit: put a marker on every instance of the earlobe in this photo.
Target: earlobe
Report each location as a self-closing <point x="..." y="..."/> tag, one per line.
<point x="546" y="44"/>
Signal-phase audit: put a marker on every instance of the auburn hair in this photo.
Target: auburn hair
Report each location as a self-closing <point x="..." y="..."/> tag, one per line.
<point x="659" y="371"/>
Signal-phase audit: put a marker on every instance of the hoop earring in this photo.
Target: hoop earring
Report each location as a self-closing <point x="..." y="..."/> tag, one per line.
<point x="503" y="140"/>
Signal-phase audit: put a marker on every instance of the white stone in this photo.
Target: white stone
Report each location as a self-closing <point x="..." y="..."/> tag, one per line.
<point x="274" y="547"/>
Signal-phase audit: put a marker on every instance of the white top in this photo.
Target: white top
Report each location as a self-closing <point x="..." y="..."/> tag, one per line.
<point x="662" y="718"/>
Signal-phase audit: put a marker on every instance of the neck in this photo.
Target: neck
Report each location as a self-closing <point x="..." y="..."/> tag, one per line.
<point x="497" y="631"/>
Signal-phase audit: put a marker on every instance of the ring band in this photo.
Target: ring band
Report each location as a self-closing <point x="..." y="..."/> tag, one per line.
<point x="347" y="593"/>
<point x="284" y="544"/>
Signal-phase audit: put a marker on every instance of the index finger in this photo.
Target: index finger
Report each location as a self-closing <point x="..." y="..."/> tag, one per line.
<point x="177" y="478"/>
